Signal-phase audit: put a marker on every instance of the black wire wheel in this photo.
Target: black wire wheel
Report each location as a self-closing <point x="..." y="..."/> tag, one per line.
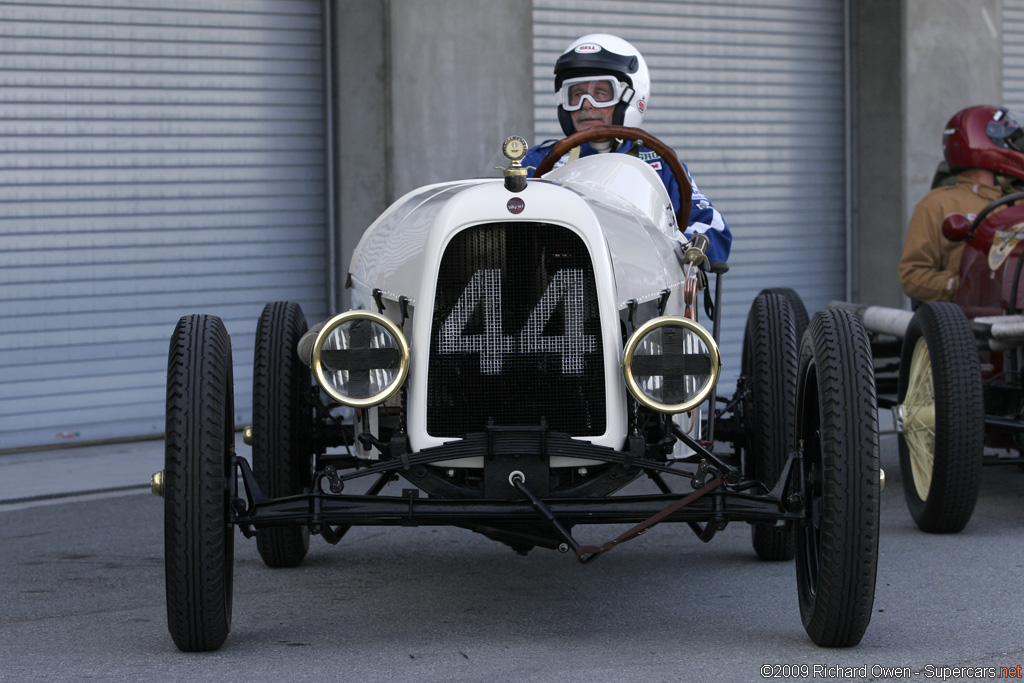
<point x="837" y="432"/>
<point x="769" y="366"/>
<point x="199" y="484"/>
<point x="282" y="420"/>
<point x="942" y="413"/>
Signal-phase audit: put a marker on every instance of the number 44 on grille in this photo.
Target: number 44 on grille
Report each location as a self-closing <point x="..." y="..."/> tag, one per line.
<point x="482" y="297"/>
<point x="527" y="357"/>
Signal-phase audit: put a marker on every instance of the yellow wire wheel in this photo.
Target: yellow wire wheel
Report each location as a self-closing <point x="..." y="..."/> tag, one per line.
<point x="919" y="418"/>
<point x="942" y="418"/>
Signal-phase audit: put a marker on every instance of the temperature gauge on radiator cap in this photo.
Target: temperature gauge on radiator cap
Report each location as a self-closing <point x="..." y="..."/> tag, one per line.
<point x="514" y="148"/>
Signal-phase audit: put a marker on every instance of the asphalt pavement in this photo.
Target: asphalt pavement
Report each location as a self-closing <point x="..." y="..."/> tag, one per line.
<point x="82" y="596"/>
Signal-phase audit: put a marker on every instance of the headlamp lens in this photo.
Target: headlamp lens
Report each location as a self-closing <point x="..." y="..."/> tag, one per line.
<point x="671" y="364"/>
<point x="360" y="358"/>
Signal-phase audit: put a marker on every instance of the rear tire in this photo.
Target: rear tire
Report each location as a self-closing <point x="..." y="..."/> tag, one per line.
<point x="282" y="418"/>
<point x="199" y="484"/>
<point x="941" y="399"/>
<point x="800" y="317"/>
<point x="770" y="365"/>
<point x="837" y="427"/>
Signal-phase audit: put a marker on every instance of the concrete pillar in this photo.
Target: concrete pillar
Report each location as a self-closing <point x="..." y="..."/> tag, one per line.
<point x="361" y="136"/>
<point x="425" y="91"/>
<point x="461" y="82"/>
<point x="878" y="111"/>
<point x="917" y="63"/>
<point x="954" y="60"/>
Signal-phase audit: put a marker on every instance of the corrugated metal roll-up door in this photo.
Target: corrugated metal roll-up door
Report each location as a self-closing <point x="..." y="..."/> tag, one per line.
<point x="752" y="97"/>
<point x="157" y="158"/>
<point x="1013" y="54"/>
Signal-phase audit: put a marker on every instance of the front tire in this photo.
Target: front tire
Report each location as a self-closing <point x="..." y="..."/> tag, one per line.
<point x="941" y="400"/>
<point x="199" y="484"/>
<point x="282" y="417"/>
<point x="837" y="428"/>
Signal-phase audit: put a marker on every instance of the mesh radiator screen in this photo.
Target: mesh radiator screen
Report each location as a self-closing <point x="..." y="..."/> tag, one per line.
<point x="516" y="333"/>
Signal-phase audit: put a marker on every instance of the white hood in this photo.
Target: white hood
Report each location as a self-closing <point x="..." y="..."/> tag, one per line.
<point x="636" y="237"/>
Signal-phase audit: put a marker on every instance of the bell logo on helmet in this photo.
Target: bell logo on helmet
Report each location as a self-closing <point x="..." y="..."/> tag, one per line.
<point x="588" y="48"/>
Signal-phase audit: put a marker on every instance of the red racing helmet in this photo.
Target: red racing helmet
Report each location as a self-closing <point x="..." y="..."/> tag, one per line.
<point x="987" y="137"/>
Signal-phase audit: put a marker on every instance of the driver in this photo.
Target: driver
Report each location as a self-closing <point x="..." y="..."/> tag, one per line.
<point x="983" y="146"/>
<point x="603" y="80"/>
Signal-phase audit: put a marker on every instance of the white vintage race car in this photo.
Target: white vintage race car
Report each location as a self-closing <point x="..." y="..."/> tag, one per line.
<point x="519" y="350"/>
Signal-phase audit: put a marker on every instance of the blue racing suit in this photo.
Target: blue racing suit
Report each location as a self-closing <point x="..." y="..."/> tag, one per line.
<point x="704" y="218"/>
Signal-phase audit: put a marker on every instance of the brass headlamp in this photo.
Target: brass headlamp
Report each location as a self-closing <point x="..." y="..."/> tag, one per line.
<point x="360" y="358"/>
<point x="671" y="364"/>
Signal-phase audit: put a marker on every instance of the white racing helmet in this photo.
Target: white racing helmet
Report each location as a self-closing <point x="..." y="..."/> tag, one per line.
<point x="607" y="71"/>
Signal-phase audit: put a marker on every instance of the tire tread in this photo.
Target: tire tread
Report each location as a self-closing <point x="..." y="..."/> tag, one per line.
<point x="837" y="610"/>
<point x="959" y="423"/>
<point x="280" y="445"/>
<point x="770" y="362"/>
<point x="198" y="539"/>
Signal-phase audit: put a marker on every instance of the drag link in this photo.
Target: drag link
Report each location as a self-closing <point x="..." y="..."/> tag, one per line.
<point x="518" y="480"/>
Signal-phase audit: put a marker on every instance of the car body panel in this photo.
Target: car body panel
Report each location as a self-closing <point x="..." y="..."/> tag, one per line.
<point x="634" y="256"/>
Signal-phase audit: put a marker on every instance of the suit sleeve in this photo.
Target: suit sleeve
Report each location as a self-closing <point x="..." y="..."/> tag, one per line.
<point x="536" y="155"/>
<point x="923" y="273"/>
<point x="704" y="218"/>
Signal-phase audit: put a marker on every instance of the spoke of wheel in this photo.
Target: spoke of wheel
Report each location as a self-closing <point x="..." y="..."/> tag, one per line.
<point x="919" y="418"/>
<point x="815" y="492"/>
<point x="814" y="541"/>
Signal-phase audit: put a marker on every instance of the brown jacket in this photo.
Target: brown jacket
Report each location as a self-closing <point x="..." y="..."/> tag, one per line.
<point x="930" y="265"/>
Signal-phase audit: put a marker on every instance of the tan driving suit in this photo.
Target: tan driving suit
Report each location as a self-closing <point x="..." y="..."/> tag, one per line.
<point x="930" y="265"/>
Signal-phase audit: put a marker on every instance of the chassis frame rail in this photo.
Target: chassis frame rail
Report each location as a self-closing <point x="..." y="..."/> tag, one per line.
<point x="725" y="504"/>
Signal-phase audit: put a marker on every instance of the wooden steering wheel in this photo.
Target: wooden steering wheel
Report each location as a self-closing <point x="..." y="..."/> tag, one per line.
<point x="643" y="139"/>
<point x="984" y="213"/>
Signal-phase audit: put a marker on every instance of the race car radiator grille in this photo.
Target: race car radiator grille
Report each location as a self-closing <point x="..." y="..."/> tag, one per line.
<point x="516" y="336"/>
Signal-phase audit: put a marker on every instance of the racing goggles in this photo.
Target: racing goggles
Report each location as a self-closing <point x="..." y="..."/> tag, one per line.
<point x="600" y="91"/>
<point x="1005" y="130"/>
